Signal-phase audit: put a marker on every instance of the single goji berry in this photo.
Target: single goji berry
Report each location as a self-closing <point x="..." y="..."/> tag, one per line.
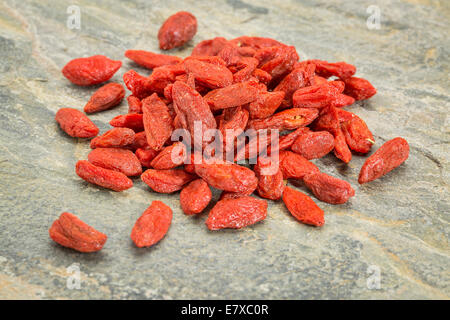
<point x="245" y="68"/>
<point x="69" y="231"/>
<point x="114" y="138"/>
<point x="157" y="121"/>
<point x="195" y="197"/>
<point x="151" y="60"/>
<point x="137" y="84"/>
<point x="139" y="141"/>
<point x="255" y="42"/>
<point x="232" y="123"/>
<point x="342" y="100"/>
<point x="316" y="96"/>
<point x="105" y="178"/>
<point x="303" y="208"/>
<point x="170" y="157"/>
<point x="327" y="69"/>
<point x="209" y="47"/>
<point x="134" y="121"/>
<point x="108" y="96"/>
<point x="236" y="213"/>
<point x="228" y="176"/>
<point x="234" y="95"/>
<point x="277" y="60"/>
<point x="75" y="123"/>
<point x="294" y="166"/>
<point x="286" y="141"/>
<point x="265" y="104"/>
<point x="388" y="157"/>
<point x="262" y="76"/>
<point x="91" y="70"/>
<point x="286" y="120"/>
<point x="270" y="184"/>
<point x="208" y="74"/>
<point x="329" y="189"/>
<point x="152" y="225"/>
<point x="314" y="145"/>
<point x="116" y="159"/>
<point x="178" y="29"/>
<point x="357" y="135"/>
<point x="359" y="88"/>
<point x="166" y="181"/>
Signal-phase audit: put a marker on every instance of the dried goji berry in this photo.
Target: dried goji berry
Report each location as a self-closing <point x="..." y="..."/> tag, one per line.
<point x="327" y="69"/>
<point x="75" y="123"/>
<point x="114" y="138"/>
<point x="314" y="145"/>
<point x="146" y="155"/>
<point x="228" y="176"/>
<point x="151" y="60"/>
<point x="234" y="95"/>
<point x="303" y="208"/>
<point x="161" y="77"/>
<point x="105" y="178"/>
<point x="286" y="120"/>
<point x="208" y="74"/>
<point x="236" y="213"/>
<point x="178" y="29"/>
<point x="157" y="121"/>
<point x="134" y="121"/>
<point x="294" y="166"/>
<point x="357" y="135"/>
<point x="341" y="149"/>
<point x="316" y="96"/>
<point x="270" y="186"/>
<point x="170" y="157"/>
<point x="230" y="195"/>
<point x="195" y="197"/>
<point x="69" y="231"/>
<point x="139" y="141"/>
<point x="262" y="76"/>
<point x="166" y="181"/>
<point x="245" y="66"/>
<point x="278" y="60"/>
<point x="190" y="107"/>
<point x="231" y="124"/>
<point x="137" y="84"/>
<point x="343" y="100"/>
<point x="116" y="159"/>
<point x="388" y="157"/>
<point x="256" y="42"/>
<point x="265" y="104"/>
<point x="108" y="96"/>
<point x="134" y="104"/>
<point x="152" y="225"/>
<point x="359" y="88"/>
<point x="91" y="70"/>
<point x="286" y="141"/>
<point x="329" y="189"/>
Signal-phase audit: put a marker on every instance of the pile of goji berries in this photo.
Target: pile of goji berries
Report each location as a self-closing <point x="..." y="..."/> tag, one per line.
<point x="244" y="83"/>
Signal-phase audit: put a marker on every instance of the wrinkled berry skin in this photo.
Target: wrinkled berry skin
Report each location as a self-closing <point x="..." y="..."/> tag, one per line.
<point x="146" y="155"/>
<point x="166" y="181"/>
<point x="177" y="30"/>
<point x="75" y="123"/>
<point x="152" y="226"/>
<point x="151" y="60"/>
<point x="329" y="189"/>
<point x="295" y="166"/>
<point x="303" y="208"/>
<point x="195" y="197"/>
<point x="388" y="157"/>
<point x="359" y="88"/>
<point x="114" y="138"/>
<point x="116" y="159"/>
<point x="102" y="177"/>
<point x="270" y="186"/>
<point x="228" y="176"/>
<point x="236" y="213"/>
<point x="71" y="232"/>
<point x="108" y="96"/>
<point x="91" y="70"/>
<point x="314" y="145"/>
<point x="157" y="121"/>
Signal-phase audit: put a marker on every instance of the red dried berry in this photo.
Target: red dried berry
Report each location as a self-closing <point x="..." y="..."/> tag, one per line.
<point x="134" y="104"/>
<point x="208" y="74"/>
<point x="105" y="178"/>
<point x="132" y="121"/>
<point x="177" y="30"/>
<point x="195" y="197"/>
<point x="75" y="123"/>
<point x="388" y="157"/>
<point x="166" y="181"/>
<point x="270" y="179"/>
<point x="236" y="213"/>
<point x="170" y="157"/>
<point x="294" y="166"/>
<point x="303" y="208"/>
<point x="359" y="88"/>
<point x="71" y="232"/>
<point x="234" y="95"/>
<point x="341" y="69"/>
<point x="108" y="96"/>
<point x="116" y="159"/>
<point x="91" y="70"/>
<point x="114" y="138"/>
<point x="157" y="121"/>
<point x="314" y="145"/>
<point x="286" y="120"/>
<point x="152" y="226"/>
<point x="151" y="60"/>
<point x="329" y="189"/>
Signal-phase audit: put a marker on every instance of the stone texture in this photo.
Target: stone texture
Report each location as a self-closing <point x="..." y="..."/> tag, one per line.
<point x="399" y="223"/>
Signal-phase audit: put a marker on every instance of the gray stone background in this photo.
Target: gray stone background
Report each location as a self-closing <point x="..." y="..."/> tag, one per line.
<point x="398" y="225"/>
